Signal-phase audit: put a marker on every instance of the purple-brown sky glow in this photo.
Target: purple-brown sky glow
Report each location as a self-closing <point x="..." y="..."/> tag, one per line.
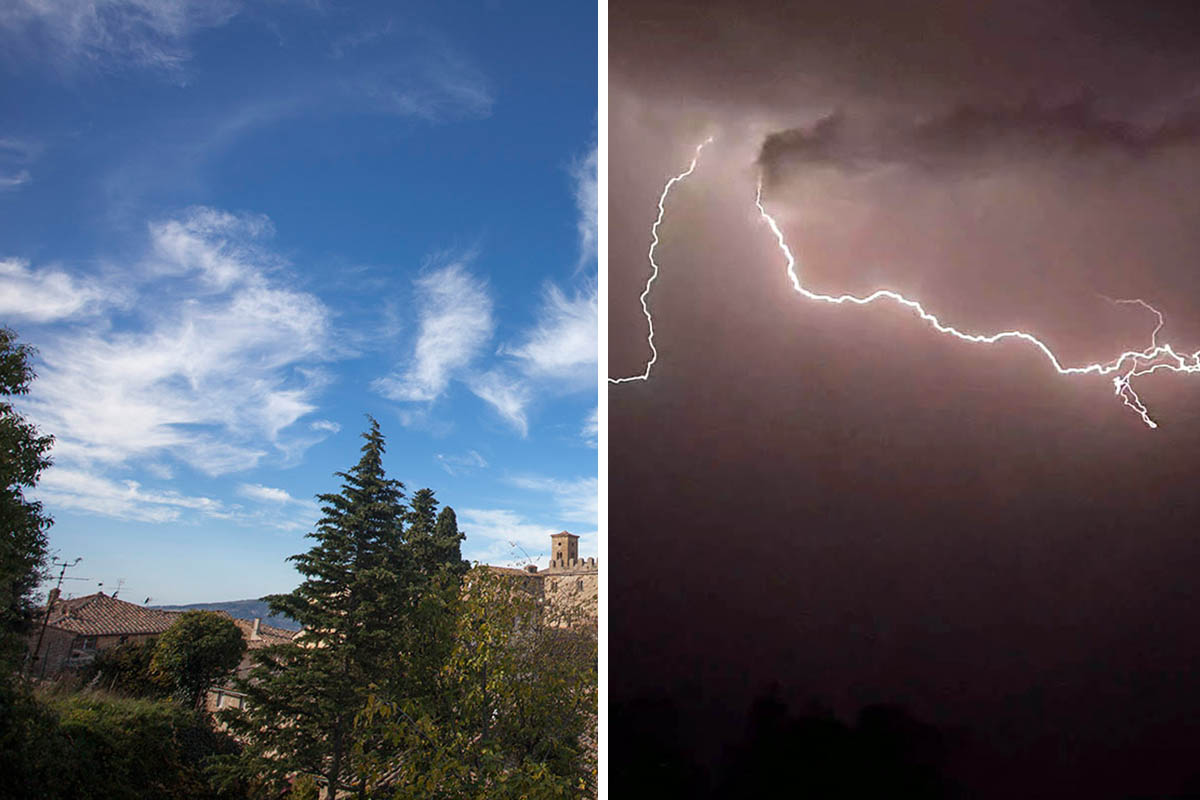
<point x="839" y="499"/>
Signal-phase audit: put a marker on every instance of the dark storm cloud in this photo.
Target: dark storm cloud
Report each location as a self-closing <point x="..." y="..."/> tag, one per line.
<point x="971" y="137"/>
<point x="921" y="52"/>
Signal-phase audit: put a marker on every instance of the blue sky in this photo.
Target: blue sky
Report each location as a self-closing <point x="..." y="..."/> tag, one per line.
<point x="233" y="229"/>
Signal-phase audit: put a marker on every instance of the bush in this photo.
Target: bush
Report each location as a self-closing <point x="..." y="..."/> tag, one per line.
<point x="95" y="745"/>
<point x="125" y="670"/>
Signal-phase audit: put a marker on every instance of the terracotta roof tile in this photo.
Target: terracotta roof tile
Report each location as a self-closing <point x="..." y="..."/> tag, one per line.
<point x="101" y="615"/>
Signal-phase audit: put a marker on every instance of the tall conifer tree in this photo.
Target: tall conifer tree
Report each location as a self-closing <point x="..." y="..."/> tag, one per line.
<point x="361" y="585"/>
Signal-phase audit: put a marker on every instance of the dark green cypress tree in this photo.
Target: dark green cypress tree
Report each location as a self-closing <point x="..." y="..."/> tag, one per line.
<point x="361" y="585"/>
<point x="421" y="521"/>
<point x="447" y="541"/>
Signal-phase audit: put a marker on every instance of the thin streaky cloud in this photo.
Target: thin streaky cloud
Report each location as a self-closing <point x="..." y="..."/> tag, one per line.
<point x="455" y="325"/>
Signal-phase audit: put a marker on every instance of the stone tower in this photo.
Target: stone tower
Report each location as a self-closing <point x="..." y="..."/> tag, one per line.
<point x="564" y="548"/>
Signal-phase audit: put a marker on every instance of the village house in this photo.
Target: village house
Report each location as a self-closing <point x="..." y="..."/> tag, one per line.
<point x="79" y="628"/>
<point x="257" y="636"/>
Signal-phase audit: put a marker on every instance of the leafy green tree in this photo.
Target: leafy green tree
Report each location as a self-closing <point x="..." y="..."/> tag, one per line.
<point x="514" y="712"/>
<point x="361" y="587"/>
<point x="199" y="649"/>
<point x="24" y="454"/>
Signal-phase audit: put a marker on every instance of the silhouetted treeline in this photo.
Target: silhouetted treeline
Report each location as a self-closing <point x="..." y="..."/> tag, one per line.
<point x="783" y="753"/>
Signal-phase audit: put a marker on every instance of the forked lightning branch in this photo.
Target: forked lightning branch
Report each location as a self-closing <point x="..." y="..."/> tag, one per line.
<point x="1122" y="370"/>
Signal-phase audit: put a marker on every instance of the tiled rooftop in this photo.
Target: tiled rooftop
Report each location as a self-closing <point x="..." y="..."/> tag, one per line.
<point x="101" y="615"/>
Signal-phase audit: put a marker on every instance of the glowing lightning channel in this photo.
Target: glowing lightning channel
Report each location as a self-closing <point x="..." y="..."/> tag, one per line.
<point x="1124" y="369"/>
<point x="654" y="266"/>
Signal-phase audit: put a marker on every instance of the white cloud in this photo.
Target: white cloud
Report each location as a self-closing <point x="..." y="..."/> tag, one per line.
<point x="502" y="536"/>
<point x="265" y="494"/>
<point x="325" y="426"/>
<point x="15" y="180"/>
<point x="15" y="154"/>
<point x="575" y="500"/>
<point x="455" y="324"/>
<point x="82" y="491"/>
<point x="216" y="366"/>
<point x="508" y="395"/>
<point x="584" y="174"/>
<point x="436" y="84"/>
<point x="147" y="33"/>
<point x="591" y="428"/>
<point x="457" y="465"/>
<point x="562" y="345"/>
<point x="499" y="531"/>
<point x="47" y="294"/>
<point x="218" y="245"/>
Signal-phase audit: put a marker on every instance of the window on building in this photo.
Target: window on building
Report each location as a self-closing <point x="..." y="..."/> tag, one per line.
<point x="89" y="643"/>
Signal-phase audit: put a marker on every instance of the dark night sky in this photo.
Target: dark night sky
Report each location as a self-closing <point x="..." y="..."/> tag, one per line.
<point x="843" y="502"/>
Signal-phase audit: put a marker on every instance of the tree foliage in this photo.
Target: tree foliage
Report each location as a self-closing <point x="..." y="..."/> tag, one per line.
<point x="199" y="649"/>
<point x="24" y="454"/>
<point x="371" y="605"/>
<point x="514" y="711"/>
<point x="96" y="746"/>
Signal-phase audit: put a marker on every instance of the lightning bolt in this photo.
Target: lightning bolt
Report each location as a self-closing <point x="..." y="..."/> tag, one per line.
<point x="662" y="200"/>
<point x="1122" y="370"/>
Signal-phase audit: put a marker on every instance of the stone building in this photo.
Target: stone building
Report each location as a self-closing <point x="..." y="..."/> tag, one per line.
<point x="569" y="582"/>
<point x="79" y="628"/>
<point x="257" y="636"/>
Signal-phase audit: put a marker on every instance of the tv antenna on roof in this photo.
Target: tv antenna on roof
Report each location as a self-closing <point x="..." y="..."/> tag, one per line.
<point x="66" y="565"/>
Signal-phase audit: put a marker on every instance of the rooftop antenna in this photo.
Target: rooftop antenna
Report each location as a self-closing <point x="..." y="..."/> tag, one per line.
<point x="50" y="598"/>
<point x="120" y="583"/>
<point x="516" y="546"/>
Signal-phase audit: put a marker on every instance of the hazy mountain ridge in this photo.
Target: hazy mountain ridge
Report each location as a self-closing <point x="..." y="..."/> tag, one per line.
<point x="242" y="609"/>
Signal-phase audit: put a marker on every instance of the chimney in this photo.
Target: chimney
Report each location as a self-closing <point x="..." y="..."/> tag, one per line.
<point x="531" y="567"/>
<point x="254" y="633"/>
<point x="52" y="598"/>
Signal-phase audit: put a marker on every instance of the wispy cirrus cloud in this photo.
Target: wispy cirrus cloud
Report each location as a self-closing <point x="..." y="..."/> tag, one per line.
<point x="591" y="428"/>
<point x="495" y="535"/>
<point x="455" y="325"/>
<point x="81" y="490"/>
<point x="49" y="294"/>
<point x="498" y="535"/>
<point x="575" y="500"/>
<point x="507" y="394"/>
<point x="461" y="464"/>
<point x="15" y="156"/>
<point x="562" y="344"/>
<point x="141" y="33"/>
<point x="218" y="358"/>
<point x="584" y="174"/>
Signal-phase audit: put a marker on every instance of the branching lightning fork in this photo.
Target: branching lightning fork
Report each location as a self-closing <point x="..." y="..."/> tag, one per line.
<point x="1123" y="369"/>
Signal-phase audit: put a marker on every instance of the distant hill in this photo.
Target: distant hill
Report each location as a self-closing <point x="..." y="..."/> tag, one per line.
<point x="242" y="609"/>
